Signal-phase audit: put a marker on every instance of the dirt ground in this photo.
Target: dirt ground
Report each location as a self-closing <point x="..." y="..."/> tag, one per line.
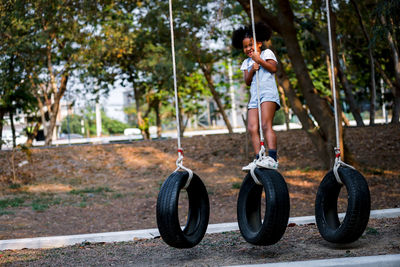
<point x="228" y="248"/>
<point x="101" y="188"/>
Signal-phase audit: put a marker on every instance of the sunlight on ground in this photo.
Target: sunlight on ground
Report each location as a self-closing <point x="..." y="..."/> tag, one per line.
<point x="48" y="188"/>
<point x="300" y="196"/>
<point x="300" y="183"/>
<point x="144" y="157"/>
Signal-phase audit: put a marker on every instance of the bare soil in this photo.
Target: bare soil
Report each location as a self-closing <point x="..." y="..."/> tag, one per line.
<point x="100" y="188"/>
<point x="229" y="248"/>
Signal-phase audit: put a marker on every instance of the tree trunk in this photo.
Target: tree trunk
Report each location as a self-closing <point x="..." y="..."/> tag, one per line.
<point x="207" y="75"/>
<point x="53" y="112"/>
<point x="396" y="106"/>
<point x="308" y="125"/>
<point x="11" y="114"/>
<point x="141" y="122"/>
<point x="355" y="110"/>
<point x="396" y="62"/>
<point x="33" y="134"/>
<point x="373" y="90"/>
<point x="158" y="117"/>
<point x="2" y="113"/>
<point x="345" y="119"/>
<point x="57" y="93"/>
<point x="284" y="106"/>
<point x="372" y="64"/>
<point x="348" y="91"/>
<point x="395" y="88"/>
<point x="318" y="106"/>
<point x="180" y="114"/>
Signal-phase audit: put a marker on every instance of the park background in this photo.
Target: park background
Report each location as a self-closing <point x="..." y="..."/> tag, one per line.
<point x="61" y="59"/>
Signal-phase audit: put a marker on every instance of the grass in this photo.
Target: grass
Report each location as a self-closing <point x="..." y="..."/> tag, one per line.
<point x="117" y="195"/>
<point x="14" y="186"/>
<point x="12" y="202"/>
<point x="38" y="203"/>
<point x="236" y="185"/>
<point x="5" y="212"/>
<point x="372" y="231"/>
<point x="41" y="204"/>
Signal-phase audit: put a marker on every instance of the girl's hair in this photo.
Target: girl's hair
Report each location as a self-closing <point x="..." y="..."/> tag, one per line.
<point x="263" y="33"/>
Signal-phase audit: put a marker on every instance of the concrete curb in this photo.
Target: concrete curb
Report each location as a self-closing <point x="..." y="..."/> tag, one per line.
<point x="392" y="260"/>
<point x="68" y="240"/>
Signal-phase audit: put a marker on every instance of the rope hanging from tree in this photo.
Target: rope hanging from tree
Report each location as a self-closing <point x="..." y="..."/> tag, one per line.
<point x="358" y="197"/>
<point x="262" y="147"/>
<point x="338" y="161"/>
<point x="179" y="161"/>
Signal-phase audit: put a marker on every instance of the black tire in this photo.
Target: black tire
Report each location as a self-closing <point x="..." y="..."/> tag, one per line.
<point x="167" y="211"/>
<point x="277" y="207"/>
<point x="358" y="206"/>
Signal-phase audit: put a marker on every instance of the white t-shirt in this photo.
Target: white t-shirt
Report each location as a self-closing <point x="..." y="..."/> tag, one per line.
<point x="265" y="55"/>
<point x="267" y="83"/>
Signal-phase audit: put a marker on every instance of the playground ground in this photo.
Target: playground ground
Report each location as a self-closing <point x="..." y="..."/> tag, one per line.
<point x="102" y="188"/>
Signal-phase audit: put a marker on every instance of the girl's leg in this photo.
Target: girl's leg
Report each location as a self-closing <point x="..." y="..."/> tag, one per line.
<point x="267" y="115"/>
<point x="252" y="127"/>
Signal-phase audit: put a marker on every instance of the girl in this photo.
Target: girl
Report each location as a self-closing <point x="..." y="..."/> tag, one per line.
<point x="265" y="62"/>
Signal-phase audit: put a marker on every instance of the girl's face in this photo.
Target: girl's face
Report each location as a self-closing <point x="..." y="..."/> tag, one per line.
<point x="248" y="46"/>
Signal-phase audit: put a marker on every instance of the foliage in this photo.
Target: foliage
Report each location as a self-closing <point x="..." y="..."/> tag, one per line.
<point x="279" y="118"/>
<point x="72" y="124"/>
<point x="109" y="125"/>
<point x="127" y="43"/>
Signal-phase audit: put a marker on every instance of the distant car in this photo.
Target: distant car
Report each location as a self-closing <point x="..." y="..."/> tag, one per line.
<point x="132" y="131"/>
<point x="71" y="136"/>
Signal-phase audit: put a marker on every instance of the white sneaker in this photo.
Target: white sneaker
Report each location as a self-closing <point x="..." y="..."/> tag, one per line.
<point x="267" y="162"/>
<point x="250" y="166"/>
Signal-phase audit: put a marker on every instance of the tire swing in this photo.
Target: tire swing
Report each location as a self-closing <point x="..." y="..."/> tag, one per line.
<point x="269" y="229"/>
<point x="359" y="201"/>
<point x="168" y="197"/>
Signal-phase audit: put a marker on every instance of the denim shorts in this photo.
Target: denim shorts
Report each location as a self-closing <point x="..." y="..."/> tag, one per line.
<point x="265" y="96"/>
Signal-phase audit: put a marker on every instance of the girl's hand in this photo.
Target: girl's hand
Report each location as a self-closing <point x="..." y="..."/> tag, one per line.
<point x="256" y="66"/>
<point x="256" y="57"/>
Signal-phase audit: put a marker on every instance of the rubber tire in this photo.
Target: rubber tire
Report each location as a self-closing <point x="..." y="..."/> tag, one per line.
<point x="167" y="211"/>
<point x="277" y="207"/>
<point x="358" y="206"/>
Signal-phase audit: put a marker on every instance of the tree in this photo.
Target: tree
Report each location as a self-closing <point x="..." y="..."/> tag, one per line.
<point x="15" y="52"/>
<point x="372" y="63"/>
<point x="387" y="27"/>
<point x="57" y="35"/>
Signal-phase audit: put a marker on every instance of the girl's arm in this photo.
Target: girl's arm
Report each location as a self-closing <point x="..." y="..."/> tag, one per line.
<point x="268" y="64"/>
<point x="248" y="75"/>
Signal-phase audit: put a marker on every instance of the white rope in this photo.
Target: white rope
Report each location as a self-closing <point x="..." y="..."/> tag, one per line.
<point x="180" y="166"/>
<point x="179" y="161"/>
<point x="333" y="75"/>
<point x="253" y="175"/>
<point x="338" y="161"/>
<point x="261" y="153"/>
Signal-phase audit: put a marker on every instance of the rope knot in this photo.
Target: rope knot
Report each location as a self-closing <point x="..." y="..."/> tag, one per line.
<point x="337" y="152"/>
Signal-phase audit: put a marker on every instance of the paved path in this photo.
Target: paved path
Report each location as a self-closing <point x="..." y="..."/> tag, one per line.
<point x="68" y="240"/>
